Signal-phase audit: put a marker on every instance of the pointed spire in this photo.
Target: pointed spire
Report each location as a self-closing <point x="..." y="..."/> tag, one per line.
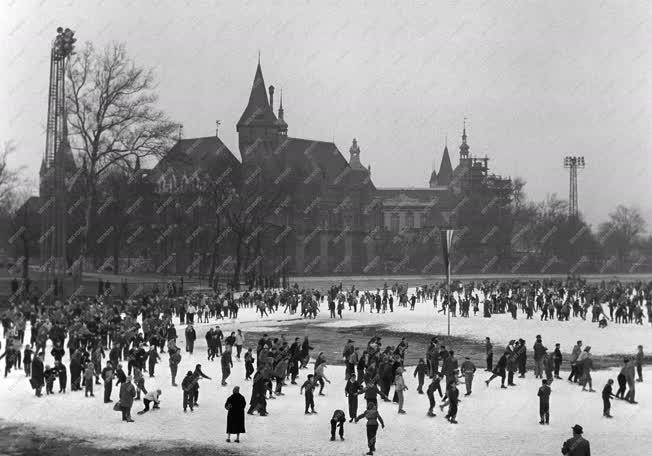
<point x="445" y="174"/>
<point x="258" y="111"/>
<point x="280" y="106"/>
<point x="464" y="147"/>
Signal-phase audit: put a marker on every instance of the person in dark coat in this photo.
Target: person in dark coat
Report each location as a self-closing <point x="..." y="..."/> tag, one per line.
<point x="191" y="336"/>
<point x="499" y="371"/>
<point x="62" y="374"/>
<point x="544" y="402"/>
<point x="258" y="400"/>
<point x="352" y="390"/>
<point x="38" y="378"/>
<point x="607" y="394"/>
<point x="235" y="418"/>
<point x="577" y="445"/>
<point x="127" y="394"/>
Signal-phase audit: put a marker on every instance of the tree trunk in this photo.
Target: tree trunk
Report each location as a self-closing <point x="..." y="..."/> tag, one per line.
<point x="238" y="264"/>
<point x="88" y="225"/>
<point x="25" y="257"/>
<point x="116" y="252"/>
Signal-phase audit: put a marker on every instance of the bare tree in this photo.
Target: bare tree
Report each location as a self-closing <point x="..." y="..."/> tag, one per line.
<point x="622" y="231"/>
<point x="113" y="119"/>
<point x="10" y="178"/>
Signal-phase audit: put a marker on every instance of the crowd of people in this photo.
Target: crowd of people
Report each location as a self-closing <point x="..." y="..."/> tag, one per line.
<point x="114" y="342"/>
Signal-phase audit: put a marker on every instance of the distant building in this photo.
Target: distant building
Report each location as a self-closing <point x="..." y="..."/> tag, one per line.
<point x="335" y="220"/>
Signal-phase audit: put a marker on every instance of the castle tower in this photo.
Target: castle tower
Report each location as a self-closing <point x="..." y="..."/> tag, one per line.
<point x="258" y="126"/>
<point x="281" y="114"/>
<point x="445" y="175"/>
<point x="464" y="147"/>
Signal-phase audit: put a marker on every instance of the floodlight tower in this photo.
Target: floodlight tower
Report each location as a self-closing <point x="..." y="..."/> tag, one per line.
<point x="573" y="164"/>
<point x="53" y="170"/>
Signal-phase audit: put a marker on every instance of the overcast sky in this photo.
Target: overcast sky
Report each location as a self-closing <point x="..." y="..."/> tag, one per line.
<point x="536" y="80"/>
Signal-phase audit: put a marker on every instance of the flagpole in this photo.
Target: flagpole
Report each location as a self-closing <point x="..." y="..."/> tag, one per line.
<point x="446" y="241"/>
<point x="448" y="287"/>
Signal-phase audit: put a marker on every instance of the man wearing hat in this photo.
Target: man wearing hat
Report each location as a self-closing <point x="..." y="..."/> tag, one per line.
<point x="468" y="369"/>
<point x="577" y="445"/>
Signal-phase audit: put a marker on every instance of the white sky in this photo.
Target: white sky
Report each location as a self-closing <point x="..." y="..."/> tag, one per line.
<point x="537" y="80"/>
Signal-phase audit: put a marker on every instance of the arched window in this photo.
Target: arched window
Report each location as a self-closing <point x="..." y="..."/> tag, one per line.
<point x="409" y="220"/>
<point x="394" y="223"/>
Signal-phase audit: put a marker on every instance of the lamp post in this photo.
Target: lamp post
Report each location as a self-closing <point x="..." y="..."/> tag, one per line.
<point x="573" y="164"/>
<point x="446" y="241"/>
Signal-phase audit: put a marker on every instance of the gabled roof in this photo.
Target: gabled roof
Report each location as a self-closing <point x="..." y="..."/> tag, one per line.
<point x="445" y="174"/>
<point x="433" y="177"/>
<point x="312" y="156"/>
<point x="258" y="111"/>
<point x="195" y="153"/>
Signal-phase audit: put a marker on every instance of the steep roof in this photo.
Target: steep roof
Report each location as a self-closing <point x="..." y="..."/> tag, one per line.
<point x="195" y="153"/>
<point x="258" y="111"/>
<point x="315" y="155"/>
<point x="433" y="177"/>
<point x="445" y="169"/>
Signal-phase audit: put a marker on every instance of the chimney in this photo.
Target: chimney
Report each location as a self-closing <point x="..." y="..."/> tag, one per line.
<point x="271" y="97"/>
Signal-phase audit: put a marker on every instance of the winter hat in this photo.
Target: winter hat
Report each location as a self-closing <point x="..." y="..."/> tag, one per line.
<point x="577" y="429"/>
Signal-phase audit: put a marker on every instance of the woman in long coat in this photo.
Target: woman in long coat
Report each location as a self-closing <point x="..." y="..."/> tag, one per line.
<point x="235" y="418"/>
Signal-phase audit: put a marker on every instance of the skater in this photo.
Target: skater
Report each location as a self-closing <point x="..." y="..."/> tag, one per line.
<point x="239" y="342"/>
<point x="468" y="369"/>
<point x="152" y="360"/>
<point x="587" y="366"/>
<point x="227" y="363"/>
<point x="107" y="376"/>
<point x="420" y="373"/>
<point x="235" y="417"/>
<point x="175" y="359"/>
<point x="607" y="394"/>
<point x="544" y="402"/>
<point x="351" y="391"/>
<point x="258" y="400"/>
<point x="434" y="386"/>
<point x="89" y="376"/>
<point x="499" y="371"/>
<point x="373" y="418"/>
<point x="488" y="346"/>
<point x="451" y="399"/>
<point x="127" y="394"/>
<point x="622" y="380"/>
<point x="338" y="420"/>
<point x="197" y="374"/>
<point x="37" y="380"/>
<point x="309" y="386"/>
<point x="320" y="377"/>
<point x="62" y="373"/>
<point x="639" y="363"/>
<point x="399" y="388"/>
<point x="152" y="396"/>
<point x="577" y="445"/>
<point x="191" y="336"/>
<point x="249" y="364"/>
<point x="557" y="360"/>
<point x="577" y="350"/>
<point x="188" y="387"/>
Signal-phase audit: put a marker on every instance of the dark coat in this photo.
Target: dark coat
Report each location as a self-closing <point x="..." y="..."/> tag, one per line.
<point x="235" y="418"/>
<point x="37" y="373"/>
<point x="576" y="446"/>
<point x="127" y="394"/>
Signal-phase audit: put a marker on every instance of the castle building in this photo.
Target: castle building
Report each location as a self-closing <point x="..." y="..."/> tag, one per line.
<point x="325" y="214"/>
